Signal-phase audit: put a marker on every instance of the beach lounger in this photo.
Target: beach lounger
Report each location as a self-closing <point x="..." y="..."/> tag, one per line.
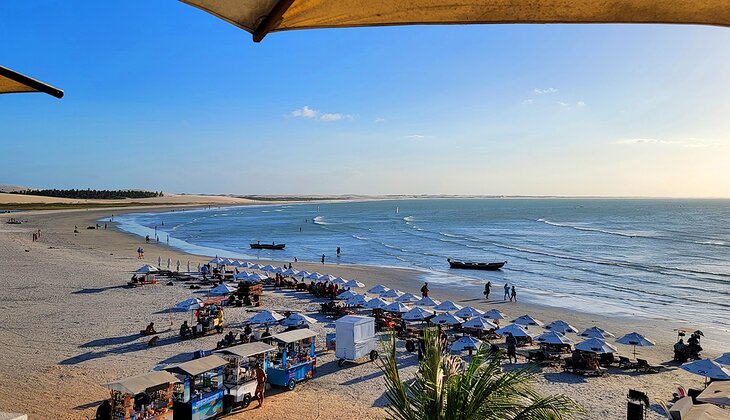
<point x="626" y="363"/>
<point x="644" y="366"/>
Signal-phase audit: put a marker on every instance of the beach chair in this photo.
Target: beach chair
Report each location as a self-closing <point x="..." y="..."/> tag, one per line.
<point x="569" y="366"/>
<point x="644" y="366"/>
<point x="626" y="363"/>
<point x="607" y="359"/>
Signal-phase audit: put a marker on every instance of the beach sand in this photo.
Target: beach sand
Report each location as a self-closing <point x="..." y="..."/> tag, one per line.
<point x="69" y="325"/>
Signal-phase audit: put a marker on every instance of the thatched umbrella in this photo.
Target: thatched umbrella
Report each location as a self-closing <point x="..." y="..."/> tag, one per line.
<point x="14" y="82"/>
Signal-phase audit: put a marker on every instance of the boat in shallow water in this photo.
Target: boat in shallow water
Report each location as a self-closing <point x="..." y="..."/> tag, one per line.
<point x="267" y="246"/>
<point x="469" y="265"/>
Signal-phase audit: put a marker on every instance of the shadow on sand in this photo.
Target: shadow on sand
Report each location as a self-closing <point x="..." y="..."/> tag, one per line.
<point x="128" y="348"/>
<point x="90" y="291"/>
<point x="112" y="341"/>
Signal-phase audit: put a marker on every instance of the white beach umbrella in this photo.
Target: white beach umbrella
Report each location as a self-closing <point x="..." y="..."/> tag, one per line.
<point x="265" y="317"/>
<point x="707" y="368"/>
<point x="515" y="329"/>
<point x="256" y="266"/>
<point x="358" y="300"/>
<point x="427" y="301"/>
<point x="223" y="289"/>
<point x="398" y="307"/>
<point x="465" y="342"/>
<point x="256" y="277"/>
<point x="236" y="263"/>
<point x="446" y="305"/>
<point x="595" y="345"/>
<point x="717" y="393"/>
<point x="635" y="339"/>
<point x="329" y="278"/>
<point x="298" y="319"/>
<point x="479" y="323"/>
<point x="339" y="281"/>
<point x="375" y="303"/>
<point x="446" y="318"/>
<point x="407" y="298"/>
<point x="468" y="312"/>
<point x="304" y="274"/>
<point x="347" y="294"/>
<point x="278" y="270"/>
<point x="147" y="269"/>
<point x="189" y="304"/>
<point x="376" y="290"/>
<point x="553" y="337"/>
<point x="354" y="284"/>
<point x="243" y="275"/>
<point x="314" y="276"/>
<point x="494" y="314"/>
<point x="216" y="260"/>
<point x="291" y="272"/>
<point x="527" y="320"/>
<point x="561" y="327"/>
<point x="417" y="314"/>
<point x="230" y="261"/>
<point x="392" y="293"/>
<point x="596" y="332"/>
<point x="724" y="359"/>
<point x="268" y="268"/>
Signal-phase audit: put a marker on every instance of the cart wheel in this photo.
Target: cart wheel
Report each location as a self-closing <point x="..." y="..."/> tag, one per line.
<point x="341" y="362"/>
<point x="291" y="384"/>
<point x="410" y="346"/>
<point x="246" y="400"/>
<point x="373" y="355"/>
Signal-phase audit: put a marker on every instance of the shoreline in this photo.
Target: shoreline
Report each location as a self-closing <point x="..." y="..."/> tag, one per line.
<point x="84" y="326"/>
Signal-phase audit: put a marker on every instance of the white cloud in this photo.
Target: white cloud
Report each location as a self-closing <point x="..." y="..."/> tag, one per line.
<point x="538" y="91"/>
<point x="307" y="112"/>
<point x="563" y="104"/>
<point x="528" y="102"/>
<point x="691" y="142"/>
<point x="416" y="136"/>
<point x="581" y="104"/>
<point x="380" y="120"/>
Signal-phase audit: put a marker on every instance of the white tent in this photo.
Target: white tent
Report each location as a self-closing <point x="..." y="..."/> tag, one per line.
<point x="398" y="307"/>
<point x="298" y="319"/>
<point x="494" y="314"/>
<point x="347" y="294"/>
<point x="375" y="303"/>
<point x="265" y="317"/>
<point x="595" y="345"/>
<point x="479" y="323"/>
<point x="376" y="290"/>
<point x="146" y="269"/>
<point x="446" y="305"/>
<point x="561" y="327"/>
<point x="596" y="332"/>
<point x="427" y="301"/>
<point x="707" y="368"/>
<point x="447" y="319"/>
<point x="354" y="284"/>
<point x="515" y="329"/>
<point x="223" y="289"/>
<point x="527" y="320"/>
<point x="417" y="314"/>
<point x="407" y="298"/>
<point x="465" y="342"/>
<point x="468" y="312"/>
<point x="553" y="337"/>
<point x="189" y="304"/>
<point x="392" y="293"/>
<point x="358" y="300"/>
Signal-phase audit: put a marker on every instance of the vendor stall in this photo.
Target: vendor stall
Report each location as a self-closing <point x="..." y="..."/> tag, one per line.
<point x="147" y="396"/>
<point x="239" y="375"/>
<point x="295" y="358"/>
<point x="209" y="318"/>
<point x="355" y="338"/>
<point x="199" y="395"/>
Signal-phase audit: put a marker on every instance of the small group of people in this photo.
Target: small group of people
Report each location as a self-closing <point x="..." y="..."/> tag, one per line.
<point x="691" y="350"/>
<point x="510" y="293"/>
<point x="36" y="235"/>
<point x="324" y="289"/>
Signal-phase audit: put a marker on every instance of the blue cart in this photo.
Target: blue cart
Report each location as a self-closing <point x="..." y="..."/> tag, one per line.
<point x="295" y="359"/>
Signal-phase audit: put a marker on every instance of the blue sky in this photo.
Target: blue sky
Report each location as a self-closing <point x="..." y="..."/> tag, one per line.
<point x="162" y="96"/>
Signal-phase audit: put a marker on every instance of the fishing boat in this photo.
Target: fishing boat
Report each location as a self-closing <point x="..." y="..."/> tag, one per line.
<point x="272" y="245"/>
<point x="469" y="265"/>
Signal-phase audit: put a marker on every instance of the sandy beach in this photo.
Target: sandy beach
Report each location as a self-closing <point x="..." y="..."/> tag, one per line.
<point x="70" y="325"/>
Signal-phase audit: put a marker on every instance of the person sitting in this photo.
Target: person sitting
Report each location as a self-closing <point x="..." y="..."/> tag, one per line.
<point x="150" y="330"/>
<point x="185" y="330"/>
<point x="247" y="300"/>
<point x="680" y="351"/>
<point x="266" y="333"/>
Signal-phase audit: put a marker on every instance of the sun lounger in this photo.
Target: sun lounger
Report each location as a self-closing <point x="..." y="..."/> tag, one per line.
<point x="626" y="363"/>
<point x="644" y="366"/>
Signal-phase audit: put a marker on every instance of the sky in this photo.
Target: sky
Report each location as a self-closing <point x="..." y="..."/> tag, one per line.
<point x="162" y="96"/>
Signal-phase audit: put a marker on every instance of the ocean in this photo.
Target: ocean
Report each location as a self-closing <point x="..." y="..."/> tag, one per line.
<point x="647" y="257"/>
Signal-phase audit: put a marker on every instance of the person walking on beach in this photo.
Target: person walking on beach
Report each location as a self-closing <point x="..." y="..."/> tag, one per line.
<point x="322" y="258"/>
<point x="513" y="294"/>
<point x="487" y="289"/>
<point x="424" y="290"/>
<point x="139" y="253"/>
<point x="506" y="291"/>
<point x="260" y="384"/>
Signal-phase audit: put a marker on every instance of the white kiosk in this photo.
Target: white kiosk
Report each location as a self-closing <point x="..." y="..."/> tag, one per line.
<point x="355" y="338"/>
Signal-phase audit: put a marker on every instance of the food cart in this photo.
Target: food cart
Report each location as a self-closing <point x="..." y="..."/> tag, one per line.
<point x="199" y="395"/>
<point x="295" y="359"/>
<point x="147" y="396"/>
<point x="355" y="338"/>
<point x="239" y="376"/>
<point x="209" y="317"/>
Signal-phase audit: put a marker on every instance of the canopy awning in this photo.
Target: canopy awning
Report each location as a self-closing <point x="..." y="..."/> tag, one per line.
<point x="263" y="16"/>
<point x="14" y="82"/>
<point x="248" y="349"/>
<point x="140" y="383"/>
<point x="198" y="366"/>
<point x="294" y="335"/>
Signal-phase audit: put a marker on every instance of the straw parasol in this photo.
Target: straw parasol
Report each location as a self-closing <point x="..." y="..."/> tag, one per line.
<point x="260" y="17"/>
<point x="14" y="82"/>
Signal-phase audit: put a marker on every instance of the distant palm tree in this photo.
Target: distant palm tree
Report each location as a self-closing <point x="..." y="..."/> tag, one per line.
<point x="443" y="389"/>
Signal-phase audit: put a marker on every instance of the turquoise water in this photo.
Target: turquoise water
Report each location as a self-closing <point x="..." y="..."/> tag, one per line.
<point x="665" y="258"/>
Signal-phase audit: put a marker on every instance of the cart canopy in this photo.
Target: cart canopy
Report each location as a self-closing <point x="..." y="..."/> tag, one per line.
<point x="198" y="366"/>
<point x="294" y="335"/>
<point x="140" y="383"/>
<point x="247" y="350"/>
